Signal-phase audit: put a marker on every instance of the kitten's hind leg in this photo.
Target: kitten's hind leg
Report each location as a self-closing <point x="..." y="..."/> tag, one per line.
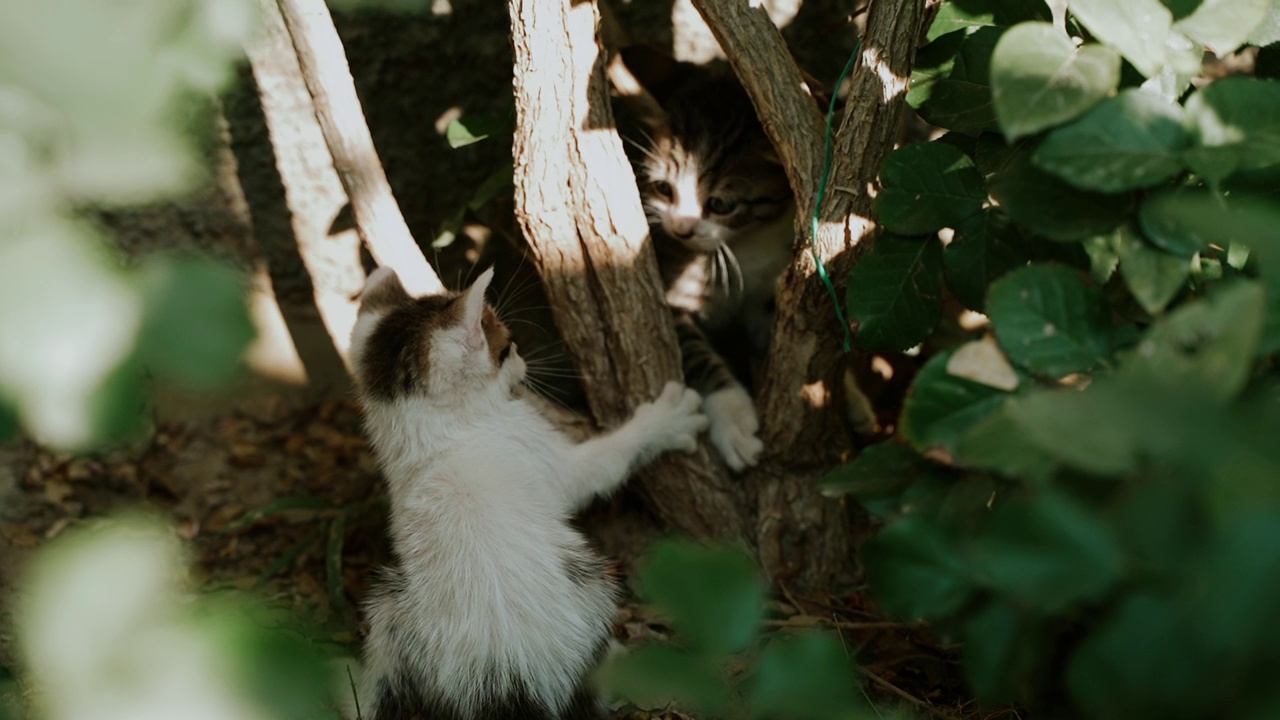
<point x="601" y="464"/>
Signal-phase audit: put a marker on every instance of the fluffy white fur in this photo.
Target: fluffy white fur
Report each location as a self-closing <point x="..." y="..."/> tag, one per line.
<point x="481" y="486"/>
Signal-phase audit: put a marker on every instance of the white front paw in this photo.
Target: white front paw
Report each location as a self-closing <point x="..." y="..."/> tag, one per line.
<point x="733" y="426"/>
<point x="672" y="421"/>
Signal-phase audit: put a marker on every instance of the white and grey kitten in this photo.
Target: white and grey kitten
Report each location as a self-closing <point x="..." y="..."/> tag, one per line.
<point x="496" y="607"/>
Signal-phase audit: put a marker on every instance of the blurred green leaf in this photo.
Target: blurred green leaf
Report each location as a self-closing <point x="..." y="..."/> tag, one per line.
<point x="877" y="477"/>
<point x="806" y="677"/>
<point x="1048" y="553"/>
<point x="1154" y="277"/>
<point x="1048" y="205"/>
<point x="197" y="324"/>
<point x="1137" y="28"/>
<point x="974" y="15"/>
<point x="1064" y="424"/>
<point x="1142" y="663"/>
<point x="1130" y="141"/>
<point x="895" y="292"/>
<point x="1243" y="566"/>
<point x="941" y="408"/>
<point x="1236" y="126"/>
<point x="950" y="81"/>
<point x="1223" y="25"/>
<point x="985" y="248"/>
<point x="712" y="594"/>
<point x="997" y="443"/>
<point x="1040" y="79"/>
<point x="1003" y="649"/>
<point x="652" y="676"/>
<point x="1174" y="232"/>
<point x="917" y="571"/>
<point x="926" y="187"/>
<point x="1049" y="321"/>
<point x="1207" y="345"/>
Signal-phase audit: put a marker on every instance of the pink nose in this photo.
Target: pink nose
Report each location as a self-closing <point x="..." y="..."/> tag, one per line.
<point x="681" y="227"/>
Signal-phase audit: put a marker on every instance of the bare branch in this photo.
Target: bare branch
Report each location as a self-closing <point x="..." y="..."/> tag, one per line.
<point x="762" y="62"/>
<point x="333" y="93"/>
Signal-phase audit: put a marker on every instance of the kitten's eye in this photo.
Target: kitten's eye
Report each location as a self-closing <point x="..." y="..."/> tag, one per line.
<point x="720" y="206"/>
<point x="663" y="189"/>
<point x="504" y="353"/>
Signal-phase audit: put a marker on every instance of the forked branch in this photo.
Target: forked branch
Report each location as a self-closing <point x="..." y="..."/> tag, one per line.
<point x="333" y="94"/>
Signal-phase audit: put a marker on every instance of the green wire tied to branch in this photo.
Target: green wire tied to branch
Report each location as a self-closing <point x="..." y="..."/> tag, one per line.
<point x="822" y="193"/>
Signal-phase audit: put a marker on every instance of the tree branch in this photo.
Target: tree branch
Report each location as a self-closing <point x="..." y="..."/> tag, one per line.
<point x="759" y="55"/>
<point x="333" y="93"/>
<point x="578" y="207"/>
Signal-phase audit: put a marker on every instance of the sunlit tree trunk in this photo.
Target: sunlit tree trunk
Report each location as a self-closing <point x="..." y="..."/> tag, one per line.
<point x="579" y="210"/>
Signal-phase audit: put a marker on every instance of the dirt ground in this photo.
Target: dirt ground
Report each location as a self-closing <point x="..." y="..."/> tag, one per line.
<point x="274" y="485"/>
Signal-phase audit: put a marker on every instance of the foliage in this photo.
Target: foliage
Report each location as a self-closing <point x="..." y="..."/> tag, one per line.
<point x="714" y="600"/>
<point x="96" y="107"/>
<point x="108" y="631"/>
<point x="1088" y="497"/>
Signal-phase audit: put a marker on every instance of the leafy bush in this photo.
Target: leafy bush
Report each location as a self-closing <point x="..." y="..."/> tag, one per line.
<point x="715" y="601"/>
<point x="1088" y="498"/>
<point x="94" y="103"/>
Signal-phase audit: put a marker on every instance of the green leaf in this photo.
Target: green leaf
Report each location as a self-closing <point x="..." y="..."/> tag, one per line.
<point x="1172" y="231"/>
<point x="1137" y="28"/>
<point x="926" y="187"/>
<point x="1048" y="553"/>
<point x="973" y="16"/>
<point x="1154" y="277"/>
<point x="985" y="247"/>
<point x="1246" y="554"/>
<point x="1133" y="140"/>
<point x="950" y="81"/>
<point x="1049" y="321"/>
<point x="1208" y="345"/>
<point x="997" y="443"/>
<point x="1064" y="424"/>
<point x="197" y="322"/>
<point x="712" y="593"/>
<point x="805" y="677"/>
<point x="941" y="408"/>
<point x="895" y="292"/>
<point x="917" y="571"/>
<point x="1144" y="662"/>
<point x="1046" y="204"/>
<point x="1235" y="126"/>
<point x="1039" y="79"/>
<point x="652" y="676"/>
<point x="1003" y="649"/>
<point x="1223" y="25"/>
<point x="472" y="129"/>
<point x="877" y="477"/>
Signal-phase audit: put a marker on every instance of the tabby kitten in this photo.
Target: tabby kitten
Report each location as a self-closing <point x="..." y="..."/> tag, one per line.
<point x="721" y="217"/>
<point x="497" y="608"/>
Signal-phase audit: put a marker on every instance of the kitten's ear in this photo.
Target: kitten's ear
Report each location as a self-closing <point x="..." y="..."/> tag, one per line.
<point x="644" y="78"/>
<point x="473" y="307"/>
<point x="382" y="290"/>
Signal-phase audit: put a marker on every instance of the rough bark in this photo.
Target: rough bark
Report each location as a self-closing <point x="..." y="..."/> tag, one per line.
<point x="333" y="92"/>
<point x="800" y="536"/>
<point x="578" y="207"/>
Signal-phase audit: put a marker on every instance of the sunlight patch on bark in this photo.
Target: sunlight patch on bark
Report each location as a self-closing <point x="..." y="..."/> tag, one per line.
<point x="893" y="84"/>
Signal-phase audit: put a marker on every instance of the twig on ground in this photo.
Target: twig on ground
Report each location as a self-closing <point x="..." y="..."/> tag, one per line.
<point x="924" y="704"/>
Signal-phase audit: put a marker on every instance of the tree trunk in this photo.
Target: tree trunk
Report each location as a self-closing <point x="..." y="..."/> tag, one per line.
<point x="578" y="207"/>
<point x="800" y="536"/>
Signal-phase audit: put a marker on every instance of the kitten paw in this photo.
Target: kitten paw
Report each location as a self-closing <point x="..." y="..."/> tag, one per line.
<point x="733" y="426"/>
<point x="673" y="420"/>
